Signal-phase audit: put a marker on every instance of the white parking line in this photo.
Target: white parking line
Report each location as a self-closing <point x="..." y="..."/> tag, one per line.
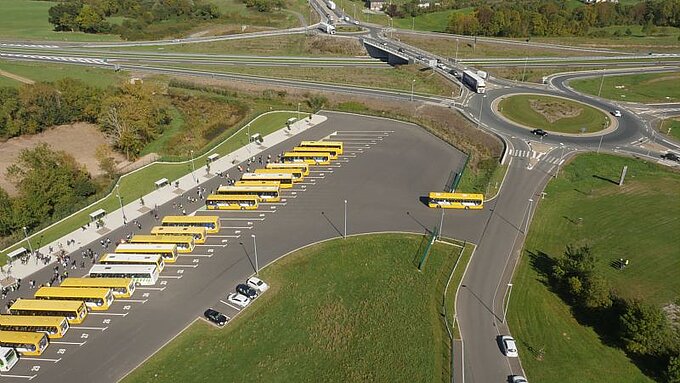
<point x="41" y="359"/>
<point x="76" y="343"/>
<point x="237" y="227"/>
<point x="230" y="305"/>
<point x="158" y="288"/>
<point x="88" y="328"/>
<point x="116" y="314"/>
<point x="29" y="377"/>
<point x="170" y="276"/>
<point x="134" y="300"/>
<point x="312" y="178"/>
<point x="221" y="236"/>
<point x="192" y="255"/>
<point x="174" y="265"/>
<point x="241" y="219"/>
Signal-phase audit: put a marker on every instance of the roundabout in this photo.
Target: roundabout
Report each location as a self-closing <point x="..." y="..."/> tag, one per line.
<point x="553" y="114"/>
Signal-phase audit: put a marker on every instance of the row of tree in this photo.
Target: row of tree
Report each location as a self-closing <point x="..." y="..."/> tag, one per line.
<point x="264" y="5"/>
<point x="552" y="18"/>
<point x="643" y="330"/>
<point x="90" y="16"/>
<point x="131" y="115"/>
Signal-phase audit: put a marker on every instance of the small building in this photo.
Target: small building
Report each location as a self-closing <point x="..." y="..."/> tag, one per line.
<point x="376" y="5"/>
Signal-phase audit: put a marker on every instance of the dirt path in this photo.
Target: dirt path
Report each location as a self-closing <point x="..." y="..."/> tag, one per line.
<point x="16" y="77"/>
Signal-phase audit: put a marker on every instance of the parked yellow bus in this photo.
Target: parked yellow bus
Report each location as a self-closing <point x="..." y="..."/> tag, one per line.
<point x="264" y="193"/>
<point x="25" y="343"/>
<point x="74" y="311"/>
<point x="336" y="145"/>
<point x="199" y="233"/>
<point x="185" y="243"/>
<point x="96" y="298"/>
<point x="211" y="223"/>
<point x="312" y="158"/>
<point x="120" y="287"/>
<point x="303" y="167"/>
<point x="333" y="153"/>
<point x="285" y="180"/>
<point x="145" y="275"/>
<point x="133" y="259"/>
<point x="296" y="173"/>
<point x="167" y="250"/>
<point x="54" y="327"/>
<point x="231" y="202"/>
<point x="456" y="200"/>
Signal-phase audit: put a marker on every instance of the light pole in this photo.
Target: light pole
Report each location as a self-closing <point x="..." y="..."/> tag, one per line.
<point x="355" y="11"/>
<point x="345" y="235"/>
<point x="257" y="266"/>
<point x="479" y="119"/>
<point x="120" y="201"/>
<point x="193" y="169"/>
<point x="526" y="58"/>
<point x="30" y="248"/>
<point x="441" y="224"/>
<point x="456" y="58"/>
<point x="601" y="83"/>
<point x="413" y="84"/>
<point x="559" y="163"/>
<point x="600" y="144"/>
<point x="507" y="302"/>
<point x="526" y="226"/>
<point x="413" y="24"/>
<point x="298" y="112"/>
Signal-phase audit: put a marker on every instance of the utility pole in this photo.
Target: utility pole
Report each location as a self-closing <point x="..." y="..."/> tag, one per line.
<point x="345" y="235"/>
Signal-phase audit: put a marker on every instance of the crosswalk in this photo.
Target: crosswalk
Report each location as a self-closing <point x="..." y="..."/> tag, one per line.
<point x="84" y="60"/>
<point x="540" y="156"/>
<point x="10" y="45"/>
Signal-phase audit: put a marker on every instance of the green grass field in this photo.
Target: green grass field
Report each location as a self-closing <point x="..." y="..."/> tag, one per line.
<point x="649" y="87"/>
<point x="433" y="21"/>
<point x="519" y="109"/>
<point x="672" y="125"/>
<point x="638" y="221"/>
<point x="27" y="20"/>
<point x="345" y="310"/>
<point x="666" y="40"/>
<point x="52" y="72"/>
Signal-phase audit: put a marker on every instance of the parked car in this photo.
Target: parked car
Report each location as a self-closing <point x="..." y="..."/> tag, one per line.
<point x="246" y="290"/>
<point x="216" y="317"/>
<point x="518" y="379"/>
<point x="257" y="283"/>
<point x="238" y="299"/>
<point x="616" y="113"/>
<point x="509" y="346"/>
<point x="671" y="157"/>
<point x="539" y="132"/>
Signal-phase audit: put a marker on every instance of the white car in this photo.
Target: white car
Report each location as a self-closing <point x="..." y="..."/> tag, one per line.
<point x="238" y="299"/>
<point x="258" y="284"/>
<point x="509" y="346"/>
<point x="519" y="379"/>
<point x="616" y="113"/>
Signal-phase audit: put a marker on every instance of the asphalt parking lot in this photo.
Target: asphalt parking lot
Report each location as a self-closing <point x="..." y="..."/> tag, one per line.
<point x="386" y="168"/>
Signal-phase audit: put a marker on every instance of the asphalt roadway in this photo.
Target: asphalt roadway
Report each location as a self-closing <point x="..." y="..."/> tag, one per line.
<point x="386" y="171"/>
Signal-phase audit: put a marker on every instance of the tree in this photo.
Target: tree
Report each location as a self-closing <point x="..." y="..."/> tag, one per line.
<point x="40" y="107"/>
<point x="673" y="370"/>
<point x="89" y="20"/>
<point x="316" y="102"/>
<point x="63" y="15"/>
<point x="107" y="163"/>
<point x="9" y="110"/>
<point x="645" y="330"/>
<point x="6" y="214"/>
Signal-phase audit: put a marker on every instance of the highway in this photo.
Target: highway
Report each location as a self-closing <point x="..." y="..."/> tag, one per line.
<point x="499" y="230"/>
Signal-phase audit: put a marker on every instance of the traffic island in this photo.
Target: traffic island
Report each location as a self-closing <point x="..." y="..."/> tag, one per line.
<point x="553" y="114"/>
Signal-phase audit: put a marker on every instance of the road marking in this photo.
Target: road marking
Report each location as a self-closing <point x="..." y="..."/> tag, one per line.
<point x="194" y="266"/>
<point x="171" y="276"/>
<point x="41" y="359"/>
<point x="192" y="255"/>
<point x="232" y="306"/>
<point x="88" y="328"/>
<point x="132" y="300"/>
<point x="222" y="236"/>
<point x="29" y="377"/>
<point x="116" y="314"/>
<point x="306" y="183"/>
<point x="153" y="288"/>
<point x="73" y="343"/>
<point x="274" y="204"/>
<point x="321" y="171"/>
<point x="313" y="178"/>
<point x="237" y="227"/>
<point x="241" y="219"/>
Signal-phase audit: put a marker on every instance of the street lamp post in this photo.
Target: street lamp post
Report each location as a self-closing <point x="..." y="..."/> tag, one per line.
<point x="298" y="111"/>
<point x="526" y="58"/>
<point x="559" y="163"/>
<point x="257" y="265"/>
<point x="413" y="24"/>
<point x="600" y="144"/>
<point x="601" y="83"/>
<point x="355" y="11"/>
<point x="456" y="58"/>
<point x="345" y="235"/>
<point x="479" y="119"/>
<point x="413" y="84"/>
<point x="441" y="224"/>
<point x="526" y="226"/>
<point x="28" y="240"/>
<point x="120" y="201"/>
<point x="193" y="169"/>
<point x="507" y="302"/>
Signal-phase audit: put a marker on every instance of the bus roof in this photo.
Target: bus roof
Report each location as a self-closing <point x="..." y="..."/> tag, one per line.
<point x="131" y="247"/>
<point x="21" y="336"/>
<point x="46" y="304"/>
<point x="266" y="176"/>
<point x="289" y="170"/>
<point x="248" y="188"/>
<point x="161" y="238"/>
<point x="109" y="257"/>
<point x="13" y="320"/>
<point x="455" y="195"/>
<point x="177" y="229"/>
<point x="189" y="218"/>
<point x="96" y="282"/>
<point x="122" y="268"/>
<point x="223" y="197"/>
<point x="306" y="154"/>
<point x="72" y="292"/>
<point x="323" y="143"/>
<point x="286" y="165"/>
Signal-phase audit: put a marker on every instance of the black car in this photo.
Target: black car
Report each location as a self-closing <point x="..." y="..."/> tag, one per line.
<point x="216" y="317"/>
<point x="539" y="132"/>
<point x="246" y="290"/>
<point x="671" y="157"/>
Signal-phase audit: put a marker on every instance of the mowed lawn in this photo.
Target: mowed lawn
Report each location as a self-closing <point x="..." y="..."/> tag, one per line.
<point x="519" y="109"/>
<point x="649" y="88"/>
<point x="344" y="310"/>
<point x="639" y="221"/>
<point x="671" y="127"/>
<point x="52" y="72"/>
<point x="28" y="20"/>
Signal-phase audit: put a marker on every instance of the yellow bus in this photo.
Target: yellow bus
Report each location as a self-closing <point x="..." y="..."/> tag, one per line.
<point x="120" y="287"/>
<point x="199" y="233"/>
<point x="211" y="223"/>
<point x="285" y="180"/>
<point x="332" y="152"/>
<point x="25" y="343"/>
<point x="145" y="275"/>
<point x="303" y="167"/>
<point x="167" y="250"/>
<point x="312" y="158"/>
<point x="95" y="298"/>
<point x="74" y="311"/>
<point x="456" y="200"/>
<point x="231" y="202"/>
<point x="185" y="243"/>
<point x="54" y="327"/>
<point x="133" y="259"/>
<point x="336" y="145"/>
<point x="296" y="173"/>
<point x="264" y="193"/>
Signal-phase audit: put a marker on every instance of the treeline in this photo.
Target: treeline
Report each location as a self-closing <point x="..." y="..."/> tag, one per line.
<point x="130" y="115"/>
<point x="643" y="330"/>
<point x="265" y="5"/>
<point x="143" y="18"/>
<point x="552" y="18"/>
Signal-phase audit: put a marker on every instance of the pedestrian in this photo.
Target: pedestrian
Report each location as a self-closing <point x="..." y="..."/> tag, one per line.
<point x="184" y="212"/>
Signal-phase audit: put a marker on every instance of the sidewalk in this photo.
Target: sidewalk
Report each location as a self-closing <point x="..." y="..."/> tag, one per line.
<point x="115" y="219"/>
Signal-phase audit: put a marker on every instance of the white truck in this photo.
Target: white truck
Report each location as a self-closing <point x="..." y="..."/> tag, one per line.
<point x="482" y="74"/>
<point x="328" y="28"/>
<point x="331" y="5"/>
<point x="475" y="82"/>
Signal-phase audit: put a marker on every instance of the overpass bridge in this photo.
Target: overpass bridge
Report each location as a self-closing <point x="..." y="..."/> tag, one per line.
<point x="380" y="50"/>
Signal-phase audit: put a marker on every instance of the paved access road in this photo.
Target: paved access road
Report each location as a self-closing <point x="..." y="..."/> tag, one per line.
<point x="386" y="170"/>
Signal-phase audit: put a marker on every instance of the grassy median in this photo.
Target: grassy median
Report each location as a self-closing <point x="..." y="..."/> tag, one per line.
<point x="638" y="221"/>
<point x="644" y="87"/>
<point x="344" y="310"/>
